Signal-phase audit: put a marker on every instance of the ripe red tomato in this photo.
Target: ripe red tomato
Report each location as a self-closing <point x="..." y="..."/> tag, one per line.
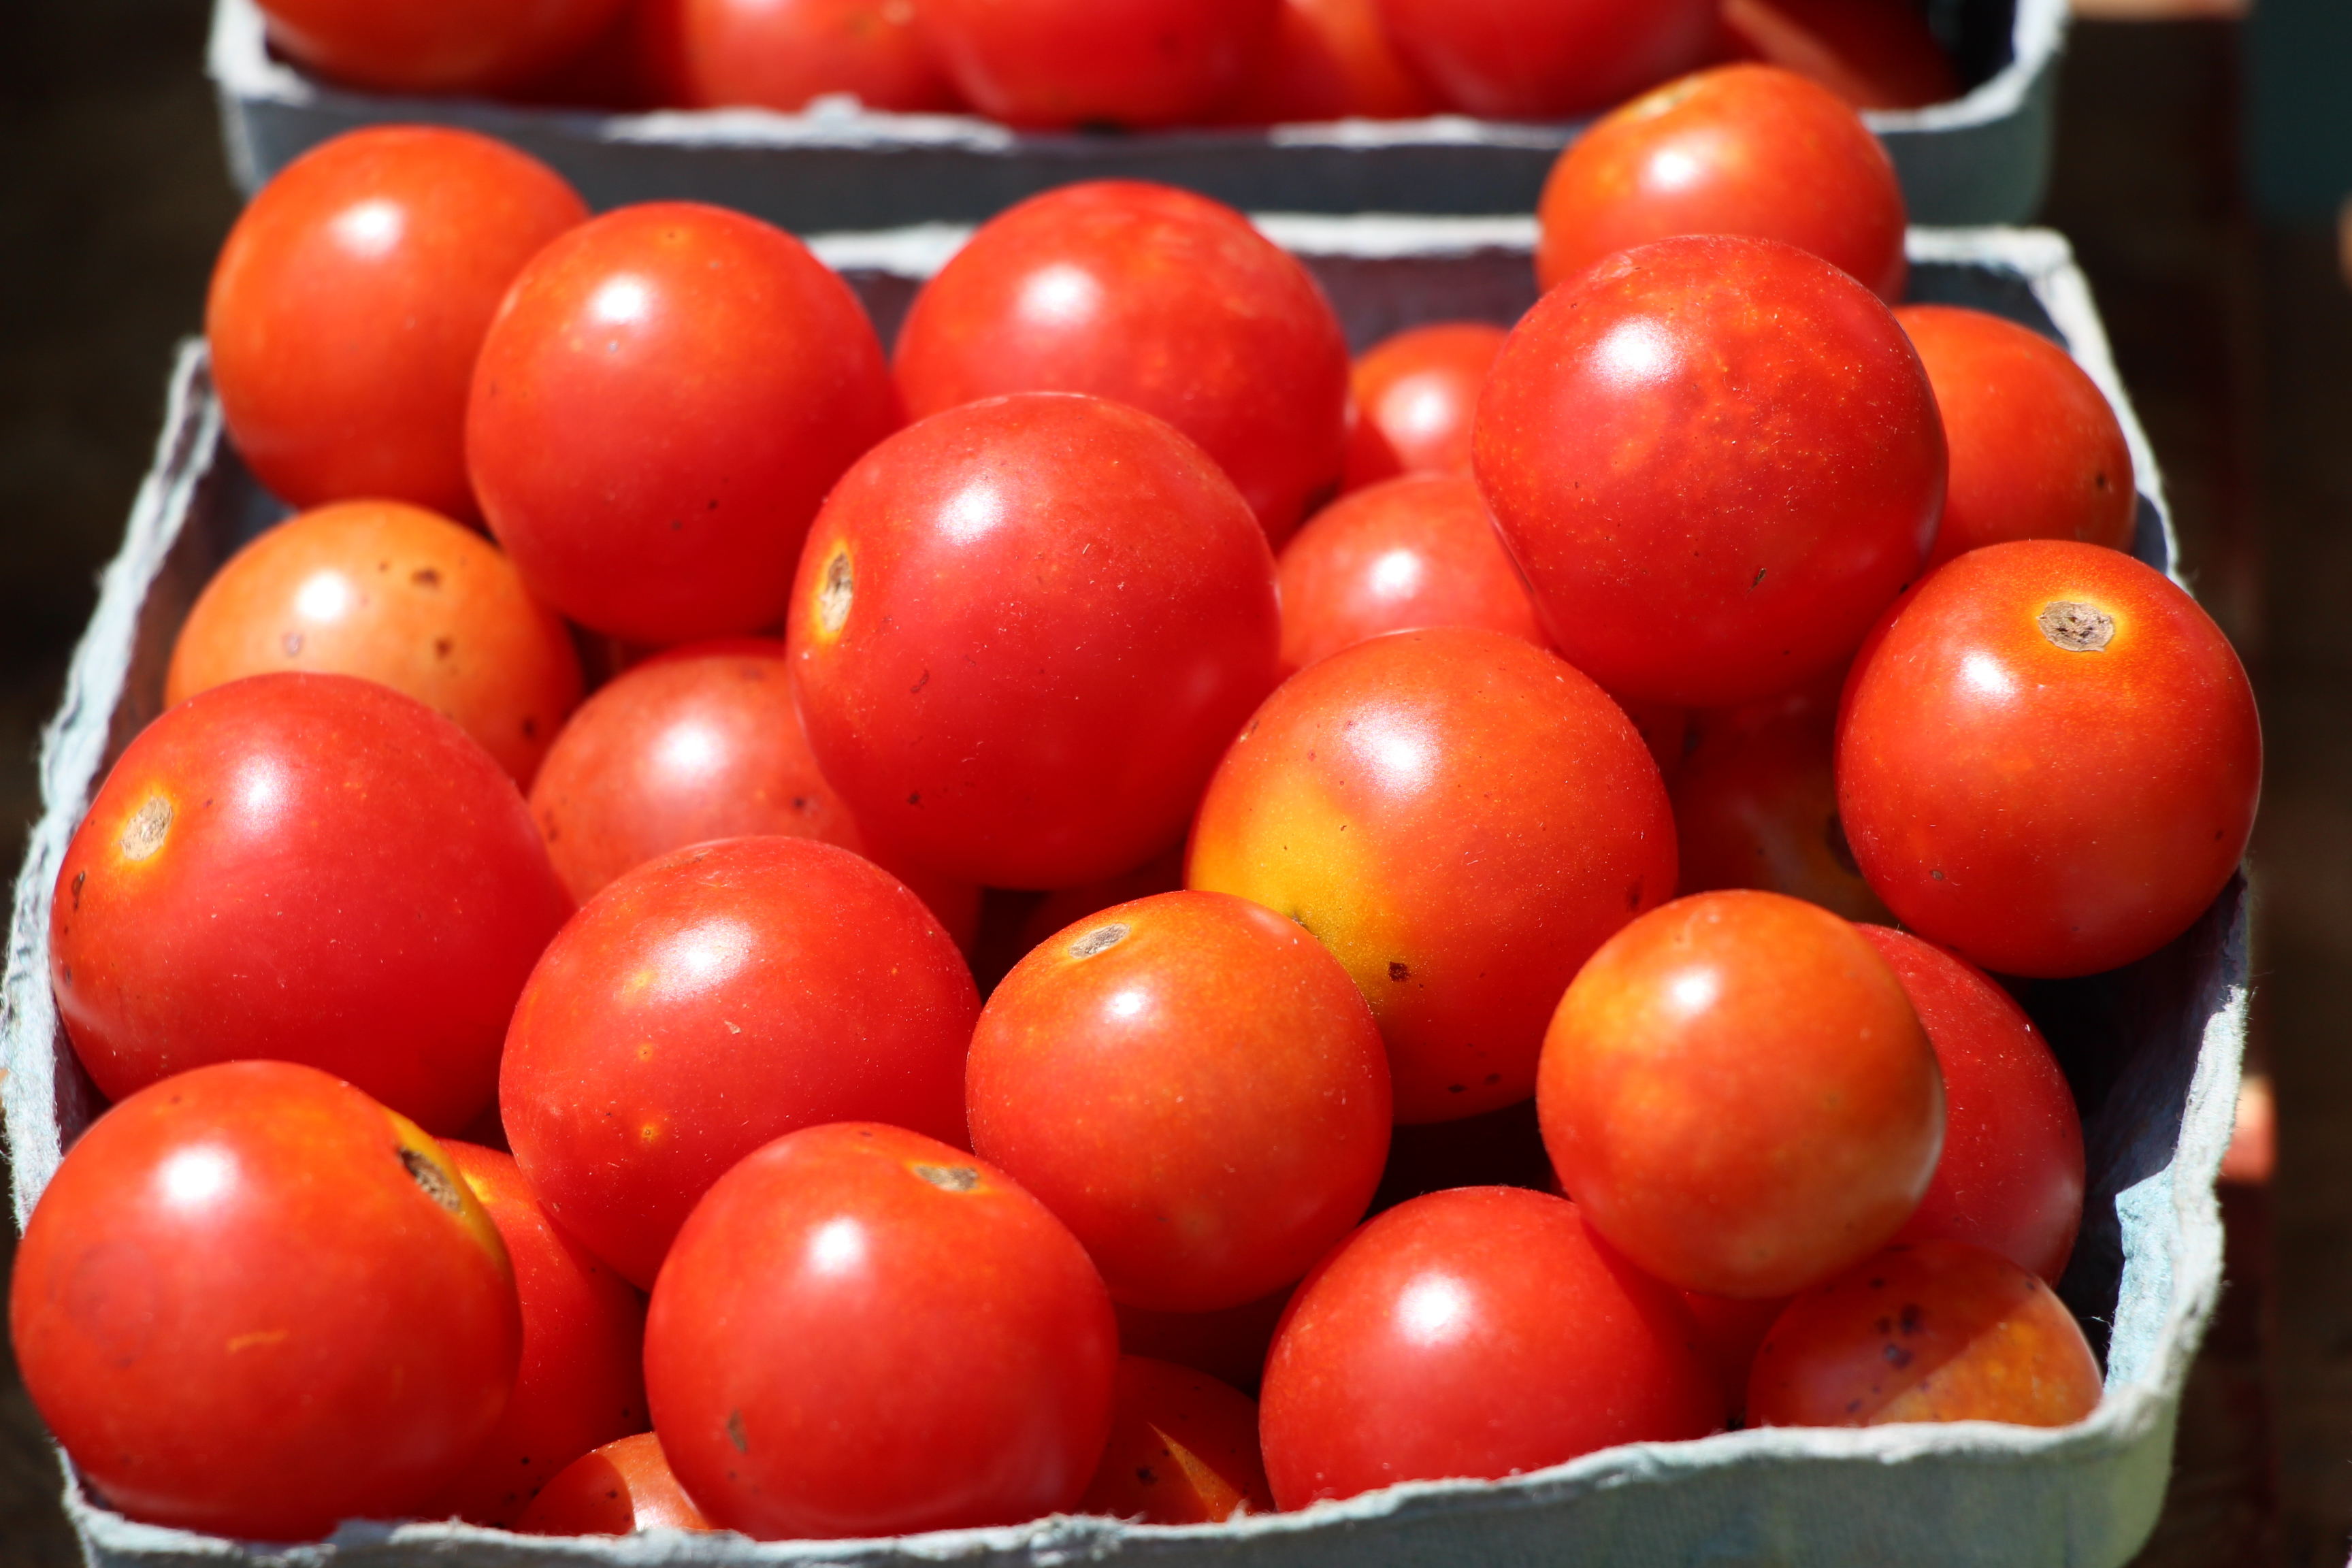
<point x="253" y="1301"/>
<point x="351" y="299"/>
<point x="1743" y="149"/>
<point x="2036" y="451"/>
<point x="1483" y="1331"/>
<point x="1153" y="297"/>
<point x="1716" y="459"/>
<point x="437" y="45"/>
<point x="1328" y="59"/>
<point x="709" y="1001"/>
<point x="617" y="1489"/>
<point x="311" y="869"/>
<point x="1755" y="806"/>
<point x="1413" y="398"/>
<point x="1461" y="818"/>
<point x="862" y="1332"/>
<point x="1547" y="59"/>
<point x="1079" y="62"/>
<point x="2047" y="759"/>
<point x="664" y="400"/>
<point x="780" y="54"/>
<point x="1182" y="1449"/>
<point x="1874" y="54"/>
<point x="1738" y="1096"/>
<point x="1021" y="633"/>
<point x="1934" y="1330"/>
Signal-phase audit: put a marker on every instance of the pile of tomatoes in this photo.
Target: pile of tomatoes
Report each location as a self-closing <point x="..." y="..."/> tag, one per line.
<point x="580" y="1115"/>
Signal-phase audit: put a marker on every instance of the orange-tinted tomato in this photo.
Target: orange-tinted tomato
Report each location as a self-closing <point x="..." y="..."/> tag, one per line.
<point x="617" y="1489"/>
<point x="1182" y="1449"/>
<point x="1229" y="1345"/>
<point x="1329" y="59"/>
<point x="1755" y="806"/>
<point x="1413" y="398"/>
<point x="1874" y="54"/>
<point x="778" y="54"/>
<point x="437" y="45"/>
<point x="1547" y="59"/>
<point x="1080" y="62"/>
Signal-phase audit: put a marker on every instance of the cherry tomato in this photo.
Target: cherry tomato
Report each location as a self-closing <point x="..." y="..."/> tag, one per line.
<point x="617" y="1489"/>
<point x="1738" y="1096"/>
<point x="1229" y="1345"/>
<point x="1934" y="1330"/>
<point x="863" y="1331"/>
<point x="437" y="45"/>
<point x="396" y="595"/>
<point x="1413" y="398"/>
<point x="1716" y="459"/>
<point x="1079" y="62"/>
<point x="1755" y="806"/>
<point x="1329" y="59"/>
<point x="253" y="1301"/>
<point x="1874" y="54"/>
<point x="780" y="54"/>
<point x="1461" y="818"/>
<point x="665" y="398"/>
<point x="2047" y="759"/>
<point x="709" y="1001"/>
<point x="1153" y="297"/>
<point x="1182" y="1449"/>
<point x="1547" y="59"/>
<point x="2036" y="451"/>
<point x="351" y="299"/>
<point x="1484" y="1332"/>
<point x="1021" y="633"/>
<point x="311" y="869"/>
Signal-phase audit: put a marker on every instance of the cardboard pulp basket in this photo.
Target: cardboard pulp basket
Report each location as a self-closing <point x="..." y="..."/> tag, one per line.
<point x="1981" y="158"/>
<point x="2152" y="1051"/>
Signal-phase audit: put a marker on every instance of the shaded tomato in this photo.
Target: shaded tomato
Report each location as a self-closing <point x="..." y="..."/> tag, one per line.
<point x="780" y="54"/>
<point x="1229" y="1345"/>
<point x="1498" y="1149"/>
<point x="1163" y="873"/>
<point x="1328" y="59"/>
<point x="308" y="868"/>
<point x="1182" y="1449"/>
<point x="2047" y="758"/>
<point x="1730" y="1331"/>
<point x="1874" y="54"/>
<point x="1547" y="59"/>
<point x="1412" y="396"/>
<point x="437" y="45"/>
<point x="1755" y="806"/>
<point x="1079" y="62"/>
<point x="253" y="1301"/>
<point x="622" y="1487"/>
<point x="863" y="1331"/>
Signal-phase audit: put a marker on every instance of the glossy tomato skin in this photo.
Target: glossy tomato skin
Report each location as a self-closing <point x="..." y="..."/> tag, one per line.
<point x="1716" y="459"/>
<point x="1079" y="62"/>
<point x="1182" y="1449"/>
<point x="1328" y="59"/>
<point x="1194" y="1087"/>
<point x="622" y="1487"/>
<point x="396" y="595"/>
<point x="1413" y="396"/>
<point x="1462" y="819"/>
<point x="393" y="246"/>
<point x="780" y="54"/>
<point x="863" y="1331"/>
<point x="1742" y="149"/>
<point x="710" y="1001"/>
<point x="664" y="400"/>
<point x="1154" y="297"/>
<point x="2037" y="452"/>
<point x="253" y="1301"/>
<point x="1755" y="806"/>
<point x="1872" y="54"/>
<point x="311" y="869"/>
<point x="1547" y="59"/>
<point x="1737" y="1094"/>
<point x="1021" y="633"/>
<point x="437" y="45"/>
<point x="1484" y="1332"/>
<point x="2048" y="802"/>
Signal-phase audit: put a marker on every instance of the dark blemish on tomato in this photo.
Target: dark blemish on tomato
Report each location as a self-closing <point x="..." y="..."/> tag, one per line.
<point x="948" y="1178"/>
<point x="1833" y="834"/>
<point x="69" y="980"/>
<point x="1758" y="581"/>
<point x="292" y="645"/>
<point x="1143" y="1473"/>
<point x="1398" y="971"/>
<point x="145" y="832"/>
<point x="1878" y="1284"/>
<point x="834" y="593"/>
<point x="1909" y="1320"/>
<point x="712" y="505"/>
<point x="79" y="878"/>
<point x="1853" y="1406"/>
<point x="677" y="523"/>
<point x="916" y="798"/>
<point x="425" y="577"/>
<point x="384" y="565"/>
<point x="1100" y="940"/>
<point x="1310" y="757"/>
<point x="443" y="647"/>
<point x="1897" y="1356"/>
<point x="1457" y="1089"/>
<point x="430" y="1178"/>
<point x="1937" y="876"/>
<point x="529" y="727"/>
<point x="612" y="1496"/>
<point x="862" y="1132"/>
<point x="735" y="1432"/>
<point x="2076" y="627"/>
<point x="1633" y="893"/>
<point x="918" y="686"/>
<point x="2217" y="836"/>
<point x="799" y="803"/>
<point x="1494" y="1077"/>
<point x="2099" y="480"/>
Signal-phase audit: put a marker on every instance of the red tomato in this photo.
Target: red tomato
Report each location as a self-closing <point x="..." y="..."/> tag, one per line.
<point x="1936" y="1330"/>
<point x="709" y="1001"/>
<point x="1229" y="1345"/>
<point x="619" y="1490"/>
<point x="1194" y="1087"/>
<point x="395" y="595"/>
<point x="311" y="869"/>
<point x="2010" y="1177"/>
<point x="1182" y="1449"/>
<point x="391" y="247"/>
<point x="1079" y="62"/>
<point x="862" y="1332"/>
<point x="1461" y="818"/>
<point x="2047" y="759"/>
<point x="1153" y="297"/>
<point x="1021" y="633"/>
<point x="253" y="1301"/>
<point x="778" y="54"/>
<point x="1738" y="1096"/>
<point x="1329" y="59"/>
<point x="1413" y="398"/>
<point x="1746" y="150"/>
<point x="437" y="45"/>
<point x="1730" y="1331"/>
<point x="1874" y="54"/>
<point x="1484" y="1332"/>
<point x="2036" y="451"/>
<point x="1547" y="59"/>
<point x="581" y="1382"/>
<point x="664" y="400"/>
<point x="1716" y="459"/>
<point x="1755" y="806"/>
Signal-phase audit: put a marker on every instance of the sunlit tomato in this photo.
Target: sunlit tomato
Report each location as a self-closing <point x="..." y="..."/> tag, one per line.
<point x="308" y="868"/>
<point x="350" y="299"/>
<point x="1547" y="59"/>
<point x="778" y="54"/>
<point x="863" y="1331"/>
<point x="2036" y="451"/>
<point x="2010" y="1177"/>
<point x="437" y="45"/>
<point x="709" y="1001"/>
<point x="1934" y="1331"/>
<point x="1153" y="297"/>
<point x="1755" y="806"/>
<point x="582" y="1381"/>
<point x="1182" y="1449"/>
<point x="253" y="1301"/>
<point x="1022" y="631"/>
<point x="1080" y="62"/>
<point x="1729" y="1333"/>
<point x="1499" y="1148"/>
<point x="1874" y="54"/>
<point x="1716" y="459"/>
<point x="1413" y="396"/>
<point x="1328" y="59"/>
<point x="1461" y="818"/>
<point x="665" y="398"/>
<point x="1738" y="1096"/>
<point x="1194" y="1086"/>
<point x="617" y="1489"/>
<point x="396" y="595"/>
<point x="1483" y="1331"/>
<point x="1229" y="1345"/>
<point x="2047" y="758"/>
